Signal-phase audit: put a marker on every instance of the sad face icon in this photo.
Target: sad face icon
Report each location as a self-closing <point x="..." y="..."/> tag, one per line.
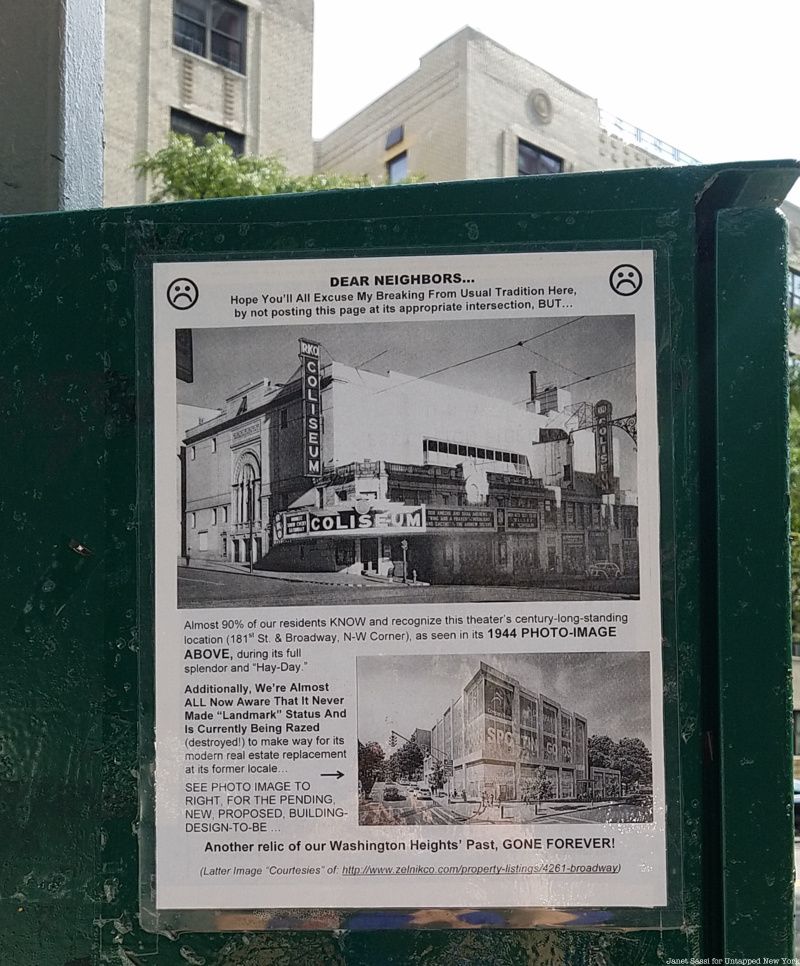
<point x="182" y="293"/>
<point x="625" y="279"/>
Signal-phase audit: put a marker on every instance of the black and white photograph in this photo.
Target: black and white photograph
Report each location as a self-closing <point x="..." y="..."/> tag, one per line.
<point x="553" y="738"/>
<point x="435" y="461"/>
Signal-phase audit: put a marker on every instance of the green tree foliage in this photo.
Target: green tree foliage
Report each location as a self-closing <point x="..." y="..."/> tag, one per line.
<point x="184" y="171"/>
<point x="370" y="765"/>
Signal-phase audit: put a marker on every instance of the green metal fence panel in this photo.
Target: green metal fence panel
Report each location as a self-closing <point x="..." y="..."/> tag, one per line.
<point x="77" y="690"/>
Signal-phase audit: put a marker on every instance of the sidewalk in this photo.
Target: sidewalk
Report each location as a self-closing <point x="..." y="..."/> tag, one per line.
<point x="329" y="579"/>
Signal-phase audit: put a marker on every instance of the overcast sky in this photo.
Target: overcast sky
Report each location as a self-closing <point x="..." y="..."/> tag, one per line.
<point x="611" y="690"/>
<point x="227" y="359"/>
<point x="717" y="81"/>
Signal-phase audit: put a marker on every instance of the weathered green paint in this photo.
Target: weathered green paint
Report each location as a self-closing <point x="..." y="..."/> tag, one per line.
<point x="75" y="355"/>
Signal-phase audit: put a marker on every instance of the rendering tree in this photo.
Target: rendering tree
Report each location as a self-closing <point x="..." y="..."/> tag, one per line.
<point x="629" y="756"/>
<point x="601" y="751"/>
<point x="408" y="759"/>
<point x="537" y="789"/>
<point x="370" y="765"/>
<point x="437" y="775"/>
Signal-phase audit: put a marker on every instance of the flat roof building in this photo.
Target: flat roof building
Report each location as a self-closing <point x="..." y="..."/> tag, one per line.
<point x="498" y="732"/>
<point x="477" y="488"/>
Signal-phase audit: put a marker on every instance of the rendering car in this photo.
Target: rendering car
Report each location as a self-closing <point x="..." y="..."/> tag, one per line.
<point x="424" y="794"/>
<point x="393" y="794"/>
<point x="605" y="569"/>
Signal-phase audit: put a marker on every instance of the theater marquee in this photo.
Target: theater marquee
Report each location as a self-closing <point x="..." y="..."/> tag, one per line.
<point x="320" y="523"/>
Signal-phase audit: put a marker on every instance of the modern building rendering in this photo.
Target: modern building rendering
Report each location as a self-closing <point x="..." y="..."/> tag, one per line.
<point x="199" y="66"/>
<point x="498" y="732"/>
<point x="393" y="475"/>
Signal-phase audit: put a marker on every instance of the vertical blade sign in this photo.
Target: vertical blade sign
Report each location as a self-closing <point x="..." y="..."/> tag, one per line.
<point x="603" y="449"/>
<point x="312" y="408"/>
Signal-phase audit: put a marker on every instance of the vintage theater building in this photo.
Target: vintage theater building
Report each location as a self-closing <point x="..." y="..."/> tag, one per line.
<point x="498" y="732"/>
<point x="337" y="468"/>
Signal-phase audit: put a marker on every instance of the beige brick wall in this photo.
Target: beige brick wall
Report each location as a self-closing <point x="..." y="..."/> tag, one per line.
<point x="147" y="76"/>
<point x="430" y="104"/>
<point x="464" y="110"/>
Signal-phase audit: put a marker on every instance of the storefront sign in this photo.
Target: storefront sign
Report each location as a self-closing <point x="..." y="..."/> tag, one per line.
<point x="522" y="520"/>
<point x="459" y="518"/>
<point x="312" y="408"/>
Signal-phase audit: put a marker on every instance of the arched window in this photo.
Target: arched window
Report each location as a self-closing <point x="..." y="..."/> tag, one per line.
<point x="247" y="490"/>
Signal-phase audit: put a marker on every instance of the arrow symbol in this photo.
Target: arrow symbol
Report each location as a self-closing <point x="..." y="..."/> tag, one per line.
<point x="332" y="774"/>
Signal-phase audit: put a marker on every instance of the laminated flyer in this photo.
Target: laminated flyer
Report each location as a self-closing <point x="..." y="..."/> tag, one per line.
<point x="407" y="583"/>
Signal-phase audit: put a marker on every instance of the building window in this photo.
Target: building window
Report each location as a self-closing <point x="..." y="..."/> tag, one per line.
<point x="182" y="123"/>
<point x="213" y="444"/>
<point x="395" y="136"/>
<point x="192" y="520"/>
<point x="213" y="516"/>
<point x="794" y="289"/>
<point x="533" y="160"/>
<point x="397" y="168"/>
<point x="224" y="514"/>
<point x="284" y="422"/>
<point x="214" y="29"/>
<point x="192" y="453"/>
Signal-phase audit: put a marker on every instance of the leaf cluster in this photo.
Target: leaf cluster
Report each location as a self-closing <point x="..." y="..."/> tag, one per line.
<point x="185" y="171"/>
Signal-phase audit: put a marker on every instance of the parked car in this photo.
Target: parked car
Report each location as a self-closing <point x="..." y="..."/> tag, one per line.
<point x="393" y="794"/>
<point x="424" y="794"/>
<point x="797" y="806"/>
<point x="604" y="569"/>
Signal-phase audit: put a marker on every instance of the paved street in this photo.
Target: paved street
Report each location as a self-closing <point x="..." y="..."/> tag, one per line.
<point x="204" y="587"/>
<point x="410" y="811"/>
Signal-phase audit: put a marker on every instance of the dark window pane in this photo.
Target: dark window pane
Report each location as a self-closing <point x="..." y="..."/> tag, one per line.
<point x="229" y="19"/>
<point x="196" y="128"/>
<point x="190" y="36"/>
<point x="395" y="136"/>
<point x="533" y="160"/>
<point x="794" y="289"/>
<point x="227" y="52"/>
<point x="397" y="168"/>
<point x="192" y="10"/>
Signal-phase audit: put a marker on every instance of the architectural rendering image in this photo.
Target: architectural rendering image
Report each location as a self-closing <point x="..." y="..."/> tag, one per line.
<point x="505" y="738"/>
<point x="449" y="461"/>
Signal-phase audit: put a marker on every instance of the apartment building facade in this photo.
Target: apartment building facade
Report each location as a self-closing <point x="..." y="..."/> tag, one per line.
<point x="193" y="66"/>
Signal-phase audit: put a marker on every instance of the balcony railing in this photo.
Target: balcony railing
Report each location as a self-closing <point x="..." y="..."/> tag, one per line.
<point x="649" y="142"/>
